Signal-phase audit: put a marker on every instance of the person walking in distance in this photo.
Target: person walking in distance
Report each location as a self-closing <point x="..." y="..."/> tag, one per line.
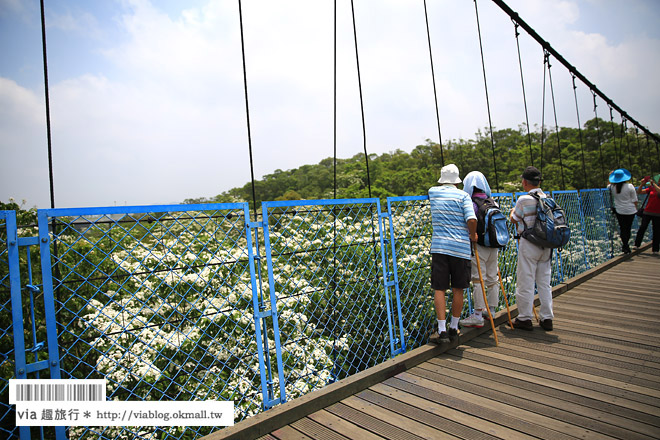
<point x="454" y="228"/>
<point x="534" y="262"/>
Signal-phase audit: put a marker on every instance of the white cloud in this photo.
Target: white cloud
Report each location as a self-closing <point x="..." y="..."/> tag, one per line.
<point x="167" y="120"/>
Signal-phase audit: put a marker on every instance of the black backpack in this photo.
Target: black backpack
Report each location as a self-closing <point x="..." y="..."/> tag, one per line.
<point x="550" y="229"/>
<point x="492" y="229"/>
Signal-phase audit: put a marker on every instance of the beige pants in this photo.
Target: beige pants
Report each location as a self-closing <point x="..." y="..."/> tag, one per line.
<point x="488" y="262"/>
<point x="534" y="267"/>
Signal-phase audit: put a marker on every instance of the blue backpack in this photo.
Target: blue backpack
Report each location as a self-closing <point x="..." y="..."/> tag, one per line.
<point x="550" y="229"/>
<point x="492" y="229"/>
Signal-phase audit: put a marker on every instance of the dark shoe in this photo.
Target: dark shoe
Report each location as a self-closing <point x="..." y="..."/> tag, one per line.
<point x="523" y="325"/>
<point x="452" y="334"/>
<point x="439" y="338"/>
<point x="546" y="324"/>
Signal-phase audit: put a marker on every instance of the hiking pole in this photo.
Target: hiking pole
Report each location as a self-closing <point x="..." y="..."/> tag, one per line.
<point x="483" y="292"/>
<point x="506" y="300"/>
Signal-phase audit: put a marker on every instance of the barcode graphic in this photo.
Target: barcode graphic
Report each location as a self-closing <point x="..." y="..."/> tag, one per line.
<point x="58" y="390"/>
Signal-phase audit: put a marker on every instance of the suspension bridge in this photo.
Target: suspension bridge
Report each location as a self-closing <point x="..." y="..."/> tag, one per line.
<point x="314" y="316"/>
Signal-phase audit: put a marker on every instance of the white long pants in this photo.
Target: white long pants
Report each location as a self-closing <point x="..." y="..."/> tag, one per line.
<point x="534" y="265"/>
<point x="488" y="262"/>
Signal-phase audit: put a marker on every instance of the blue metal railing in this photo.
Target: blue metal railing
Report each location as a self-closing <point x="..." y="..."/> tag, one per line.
<point x="199" y="302"/>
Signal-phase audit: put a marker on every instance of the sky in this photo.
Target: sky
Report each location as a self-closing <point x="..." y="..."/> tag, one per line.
<point x="147" y="97"/>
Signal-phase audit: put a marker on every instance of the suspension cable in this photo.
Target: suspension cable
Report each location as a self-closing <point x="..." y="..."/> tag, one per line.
<point x="545" y="61"/>
<point x="46" y="92"/>
<point x="522" y="82"/>
<point x="364" y="129"/>
<point x="616" y="149"/>
<point x="624" y="134"/>
<point x="247" y="113"/>
<point x="490" y="123"/>
<point x="600" y="142"/>
<point x="554" y="111"/>
<point x="334" y="105"/>
<point x="639" y="151"/>
<point x="514" y="15"/>
<point x="577" y="111"/>
<point x="435" y="92"/>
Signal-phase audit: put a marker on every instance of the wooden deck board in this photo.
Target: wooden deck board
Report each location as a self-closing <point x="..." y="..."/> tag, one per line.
<point x="597" y="375"/>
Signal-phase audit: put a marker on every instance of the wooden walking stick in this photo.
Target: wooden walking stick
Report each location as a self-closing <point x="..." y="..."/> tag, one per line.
<point x="483" y="291"/>
<point x="506" y="300"/>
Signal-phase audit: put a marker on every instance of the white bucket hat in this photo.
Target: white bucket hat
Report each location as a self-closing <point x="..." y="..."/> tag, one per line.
<point x="449" y="174"/>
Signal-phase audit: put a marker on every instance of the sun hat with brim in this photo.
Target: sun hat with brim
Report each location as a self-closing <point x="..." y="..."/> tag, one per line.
<point x="620" y="175"/>
<point x="449" y="174"/>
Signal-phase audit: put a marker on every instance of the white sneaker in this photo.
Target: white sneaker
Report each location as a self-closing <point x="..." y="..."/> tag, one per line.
<point x="472" y="321"/>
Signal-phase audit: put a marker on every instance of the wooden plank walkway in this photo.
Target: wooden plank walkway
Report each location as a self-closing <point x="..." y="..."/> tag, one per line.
<point x="597" y="375"/>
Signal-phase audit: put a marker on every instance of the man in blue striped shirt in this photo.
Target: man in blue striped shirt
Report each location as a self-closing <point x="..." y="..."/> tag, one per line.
<point x="454" y="228"/>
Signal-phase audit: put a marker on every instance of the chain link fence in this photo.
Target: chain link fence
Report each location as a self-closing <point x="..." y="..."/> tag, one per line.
<point x="198" y="302"/>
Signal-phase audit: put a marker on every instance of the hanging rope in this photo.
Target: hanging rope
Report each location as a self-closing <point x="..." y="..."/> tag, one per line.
<point x="545" y="62"/>
<point x="334" y="106"/>
<point x="639" y="151"/>
<point x="522" y="82"/>
<point x="364" y="129"/>
<point x="334" y="293"/>
<point x="600" y="142"/>
<point x="616" y="150"/>
<point x="624" y="133"/>
<point x="435" y="92"/>
<point x="247" y="113"/>
<point x="48" y="135"/>
<point x="490" y="123"/>
<point x="554" y="111"/>
<point x="577" y="111"/>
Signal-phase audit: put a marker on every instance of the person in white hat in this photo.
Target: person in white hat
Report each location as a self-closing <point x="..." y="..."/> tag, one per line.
<point x="624" y="198"/>
<point x="454" y="228"/>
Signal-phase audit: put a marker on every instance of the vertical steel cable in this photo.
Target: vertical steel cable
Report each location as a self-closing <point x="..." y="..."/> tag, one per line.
<point x="639" y="150"/>
<point x="577" y="111"/>
<point x="333" y="294"/>
<point x="624" y="133"/>
<point x="334" y="101"/>
<point x="522" y="82"/>
<point x="616" y="149"/>
<point x="56" y="270"/>
<point x="254" y="202"/>
<point x="545" y="60"/>
<point x="48" y="131"/>
<point x="600" y="142"/>
<point x="554" y="111"/>
<point x="364" y="129"/>
<point x="435" y="92"/>
<point x="490" y="123"/>
<point x="247" y="111"/>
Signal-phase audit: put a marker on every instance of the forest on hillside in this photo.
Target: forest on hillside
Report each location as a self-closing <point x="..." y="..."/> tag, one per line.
<point x="569" y="158"/>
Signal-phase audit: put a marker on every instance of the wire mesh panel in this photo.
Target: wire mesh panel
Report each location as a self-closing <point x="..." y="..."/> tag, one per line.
<point x="158" y="301"/>
<point x="611" y="222"/>
<point x="324" y="272"/>
<point x="572" y="257"/>
<point x="411" y="234"/>
<point x="7" y="370"/>
<point x="597" y="236"/>
<point x="22" y="331"/>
